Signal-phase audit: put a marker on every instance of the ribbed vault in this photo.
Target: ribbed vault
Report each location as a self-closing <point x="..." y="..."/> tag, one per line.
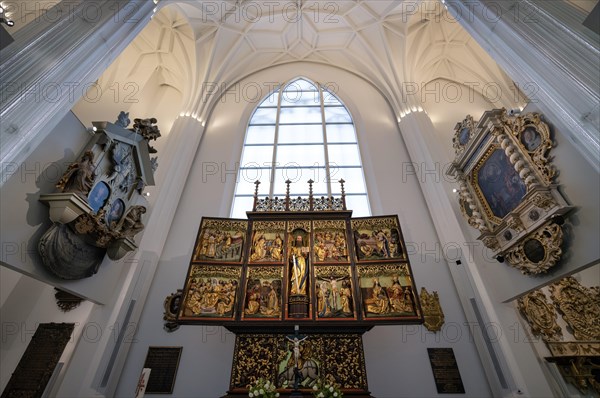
<point x="202" y="48"/>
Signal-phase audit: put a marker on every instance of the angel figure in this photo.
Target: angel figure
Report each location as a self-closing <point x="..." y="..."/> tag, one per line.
<point x="131" y="223"/>
<point x="80" y="176"/>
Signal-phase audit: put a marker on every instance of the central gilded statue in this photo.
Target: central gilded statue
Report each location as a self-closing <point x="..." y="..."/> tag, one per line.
<point x="298" y="263"/>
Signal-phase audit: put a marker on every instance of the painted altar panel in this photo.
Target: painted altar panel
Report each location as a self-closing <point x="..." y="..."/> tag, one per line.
<point x="220" y="240"/>
<point x="263" y="293"/>
<point x="377" y="239"/>
<point x="334" y="289"/>
<point x="330" y="242"/>
<point x="210" y="293"/>
<point x="335" y="357"/>
<point x="279" y="279"/>
<point x="388" y="292"/>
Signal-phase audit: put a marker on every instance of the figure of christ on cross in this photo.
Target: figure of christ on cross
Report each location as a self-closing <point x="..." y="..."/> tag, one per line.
<point x="296" y="350"/>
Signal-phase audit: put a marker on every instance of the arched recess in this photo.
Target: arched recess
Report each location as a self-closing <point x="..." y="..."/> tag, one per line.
<point x="153" y="77"/>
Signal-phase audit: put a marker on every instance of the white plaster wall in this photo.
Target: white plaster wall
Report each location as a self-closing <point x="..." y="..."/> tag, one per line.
<point x="396" y="356"/>
<point x="447" y="103"/>
<point x="8" y="281"/>
<point x="32" y="302"/>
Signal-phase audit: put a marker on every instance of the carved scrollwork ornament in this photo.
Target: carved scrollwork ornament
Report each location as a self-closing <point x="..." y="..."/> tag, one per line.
<point x="533" y="136"/>
<point x="171" y="307"/>
<point x="580" y="371"/>
<point x="491" y="242"/>
<point x="543" y="200"/>
<point x="465" y="130"/>
<point x="579" y="306"/>
<point x="514" y="223"/>
<point x="101" y="234"/>
<point x="541" y="316"/>
<point x="432" y="310"/>
<point x="574" y="348"/>
<point x="293" y="225"/>
<point x="469" y="208"/>
<point x="66" y="301"/>
<point x="539" y="251"/>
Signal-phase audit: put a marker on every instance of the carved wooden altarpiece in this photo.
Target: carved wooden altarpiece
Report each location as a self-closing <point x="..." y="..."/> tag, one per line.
<point x="303" y="266"/>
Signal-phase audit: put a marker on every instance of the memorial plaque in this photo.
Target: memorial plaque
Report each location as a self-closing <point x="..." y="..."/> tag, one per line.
<point x="39" y="360"/>
<point x="445" y="371"/>
<point x="164" y="362"/>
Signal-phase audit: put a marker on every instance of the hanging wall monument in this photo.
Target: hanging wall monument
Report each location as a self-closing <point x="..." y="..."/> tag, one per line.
<point x="507" y="188"/>
<point x="100" y="207"/>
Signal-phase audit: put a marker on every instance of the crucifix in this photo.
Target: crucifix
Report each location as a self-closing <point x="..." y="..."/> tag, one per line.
<point x="296" y="340"/>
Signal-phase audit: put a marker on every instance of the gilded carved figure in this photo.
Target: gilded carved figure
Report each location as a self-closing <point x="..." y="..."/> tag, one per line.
<point x="330" y="244"/>
<point x="263" y="292"/>
<point x="211" y="292"/>
<point x="432" y="310"/>
<point x="267" y="242"/>
<point x="298" y="263"/>
<point x="334" y="297"/>
<point x="79" y="176"/>
<point x="377" y="239"/>
<point x="220" y="240"/>
<point x="387" y="291"/>
<point x="379" y="302"/>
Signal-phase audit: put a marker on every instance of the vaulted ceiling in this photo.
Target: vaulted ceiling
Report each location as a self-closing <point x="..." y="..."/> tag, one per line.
<point x="398" y="46"/>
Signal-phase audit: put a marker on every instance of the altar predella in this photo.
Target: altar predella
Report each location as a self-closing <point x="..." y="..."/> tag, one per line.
<point x="298" y="264"/>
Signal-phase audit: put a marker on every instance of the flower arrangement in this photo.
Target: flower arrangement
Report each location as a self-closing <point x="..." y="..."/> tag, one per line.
<point x="327" y="389"/>
<point x="263" y="389"/>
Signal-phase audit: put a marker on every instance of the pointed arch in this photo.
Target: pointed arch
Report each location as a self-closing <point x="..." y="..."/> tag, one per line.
<point x="301" y="131"/>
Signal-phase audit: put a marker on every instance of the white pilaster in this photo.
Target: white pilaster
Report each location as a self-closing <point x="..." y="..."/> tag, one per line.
<point x="51" y="63"/>
<point x="86" y="371"/>
<point x="553" y="61"/>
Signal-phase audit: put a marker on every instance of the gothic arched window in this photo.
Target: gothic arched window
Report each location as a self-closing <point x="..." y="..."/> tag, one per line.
<point x="301" y="131"/>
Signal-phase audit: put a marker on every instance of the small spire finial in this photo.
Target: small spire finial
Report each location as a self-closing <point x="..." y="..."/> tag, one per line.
<point x="310" y="193"/>
<point x="287" y="194"/>
<point x="257" y="183"/>
<point x="343" y="193"/>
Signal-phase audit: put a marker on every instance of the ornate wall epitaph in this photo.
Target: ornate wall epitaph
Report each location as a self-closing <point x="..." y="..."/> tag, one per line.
<point x="445" y="371"/>
<point x="39" y="360"/>
<point x="164" y="362"/>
